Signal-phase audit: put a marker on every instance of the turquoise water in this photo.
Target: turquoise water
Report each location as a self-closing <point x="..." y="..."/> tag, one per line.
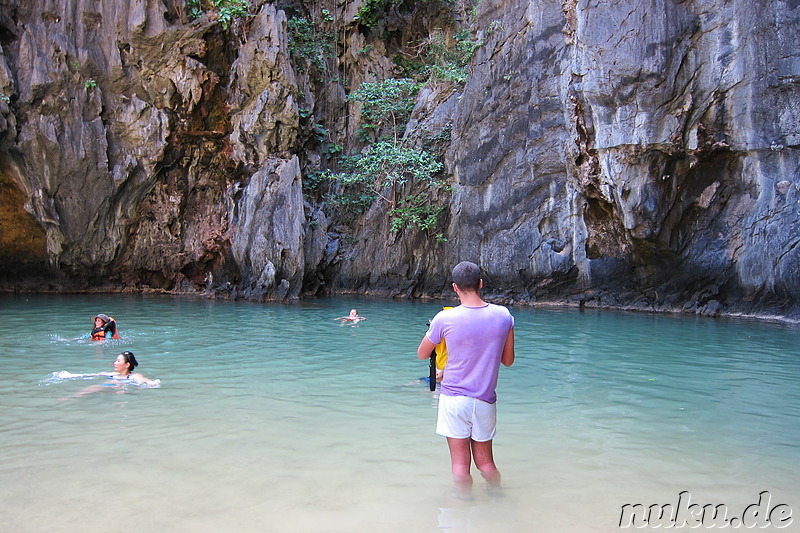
<point x="276" y="418"/>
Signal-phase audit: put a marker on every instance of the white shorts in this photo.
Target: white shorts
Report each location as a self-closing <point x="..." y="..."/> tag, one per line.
<point x="462" y="417"/>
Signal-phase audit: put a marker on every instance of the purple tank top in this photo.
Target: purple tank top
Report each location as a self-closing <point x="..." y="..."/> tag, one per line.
<point x="475" y="339"/>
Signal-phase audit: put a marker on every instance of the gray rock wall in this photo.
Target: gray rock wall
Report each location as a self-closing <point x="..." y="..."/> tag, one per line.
<point x="144" y="146"/>
<point x="93" y="83"/>
<point x="628" y="154"/>
<point x="636" y="154"/>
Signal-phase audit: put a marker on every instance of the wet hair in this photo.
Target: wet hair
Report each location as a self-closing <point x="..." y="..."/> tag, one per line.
<point x="130" y="359"/>
<point x="467" y="276"/>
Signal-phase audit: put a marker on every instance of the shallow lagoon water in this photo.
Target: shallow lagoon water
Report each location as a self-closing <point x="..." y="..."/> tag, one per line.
<point x="276" y="418"/>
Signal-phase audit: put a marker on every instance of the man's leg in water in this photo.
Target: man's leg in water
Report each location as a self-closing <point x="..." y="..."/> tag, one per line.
<point x="484" y="460"/>
<point x="460" y="459"/>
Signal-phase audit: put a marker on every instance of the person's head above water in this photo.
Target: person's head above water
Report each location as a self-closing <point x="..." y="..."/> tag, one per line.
<point x="354" y="312"/>
<point x="125" y="363"/>
<point x="467" y="276"/>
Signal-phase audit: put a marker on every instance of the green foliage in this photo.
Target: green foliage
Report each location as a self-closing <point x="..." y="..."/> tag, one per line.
<point x="412" y="66"/>
<point x="90" y="84"/>
<point x="366" y="50"/>
<point x="352" y="195"/>
<point x="308" y="42"/>
<point x="440" y="58"/>
<point x="194" y="9"/>
<point x="314" y="181"/>
<point x="371" y="11"/>
<point x="416" y="211"/>
<point x="333" y="150"/>
<point x="320" y="133"/>
<point x="386" y="104"/>
<point x="393" y="164"/>
<point x="449" y="61"/>
<point x="387" y="169"/>
<point x="379" y="172"/>
<point x="473" y="13"/>
<point x="226" y="10"/>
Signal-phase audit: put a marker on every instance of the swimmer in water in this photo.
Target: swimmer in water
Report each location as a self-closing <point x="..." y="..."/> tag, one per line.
<point x="105" y="327"/>
<point x="123" y="367"/>
<point x="122" y="374"/>
<point x="352" y="318"/>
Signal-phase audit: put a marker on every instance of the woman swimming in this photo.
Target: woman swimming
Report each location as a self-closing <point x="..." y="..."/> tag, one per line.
<point x="123" y="366"/>
<point x="122" y="374"/>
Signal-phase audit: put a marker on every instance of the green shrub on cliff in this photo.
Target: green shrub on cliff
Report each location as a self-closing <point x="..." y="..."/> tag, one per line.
<point x="308" y="42"/>
<point x="380" y="173"/>
<point x="386" y="105"/>
<point x="392" y="165"/>
<point x="372" y="11"/>
<point x="440" y="57"/>
<point x="449" y="60"/>
<point x="407" y="178"/>
<point x="225" y="10"/>
<point x="417" y="211"/>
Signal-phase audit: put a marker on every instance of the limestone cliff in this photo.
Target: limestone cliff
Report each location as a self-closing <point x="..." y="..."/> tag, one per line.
<point x="648" y="154"/>
<point x="626" y="154"/>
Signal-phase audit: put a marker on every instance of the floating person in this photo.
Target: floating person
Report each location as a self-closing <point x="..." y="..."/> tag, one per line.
<point x="105" y="327"/>
<point x="352" y="318"/>
<point x="123" y="374"/>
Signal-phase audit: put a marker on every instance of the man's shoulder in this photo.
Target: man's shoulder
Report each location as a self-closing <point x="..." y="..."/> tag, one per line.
<point x="503" y="313"/>
<point x="499" y="308"/>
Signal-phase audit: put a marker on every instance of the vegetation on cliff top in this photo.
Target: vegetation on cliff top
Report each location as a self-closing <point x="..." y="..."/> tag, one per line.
<point x="390" y="163"/>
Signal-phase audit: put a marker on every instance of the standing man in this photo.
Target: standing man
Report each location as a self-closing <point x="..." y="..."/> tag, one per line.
<point x="479" y="337"/>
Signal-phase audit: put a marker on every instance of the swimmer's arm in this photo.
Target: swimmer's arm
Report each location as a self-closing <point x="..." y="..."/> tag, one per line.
<point x="141" y="379"/>
<point x="508" y="350"/>
<point x="88" y="390"/>
<point x="426" y="348"/>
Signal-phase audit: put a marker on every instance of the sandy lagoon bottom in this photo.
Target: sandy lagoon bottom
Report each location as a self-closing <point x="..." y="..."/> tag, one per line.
<point x="276" y="418"/>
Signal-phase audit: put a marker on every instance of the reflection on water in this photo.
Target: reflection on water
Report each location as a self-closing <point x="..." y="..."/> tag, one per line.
<point x="280" y="418"/>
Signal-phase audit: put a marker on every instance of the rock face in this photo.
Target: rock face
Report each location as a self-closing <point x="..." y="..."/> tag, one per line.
<point x="648" y="154"/>
<point x="624" y="154"/>
<point x="128" y="130"/>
